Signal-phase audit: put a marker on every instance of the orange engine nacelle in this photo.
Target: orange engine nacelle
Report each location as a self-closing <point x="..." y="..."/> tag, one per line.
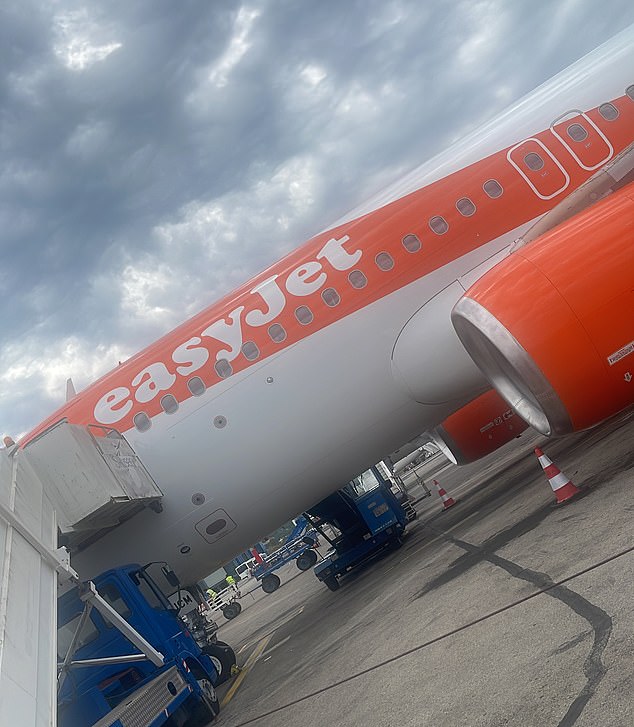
<point x="552" y="326"/>
<point x="479" y="428"/>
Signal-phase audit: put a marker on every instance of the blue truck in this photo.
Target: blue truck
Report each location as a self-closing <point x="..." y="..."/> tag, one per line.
<point x="126" y="658"/>
<point x="368" y="519"/>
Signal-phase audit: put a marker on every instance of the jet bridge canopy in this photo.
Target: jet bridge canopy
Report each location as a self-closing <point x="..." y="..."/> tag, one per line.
<point x="93" y="478"/>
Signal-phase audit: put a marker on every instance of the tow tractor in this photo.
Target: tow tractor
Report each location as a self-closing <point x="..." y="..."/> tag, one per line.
<point x="368" y="518"/>
<point x="299" y="546"/>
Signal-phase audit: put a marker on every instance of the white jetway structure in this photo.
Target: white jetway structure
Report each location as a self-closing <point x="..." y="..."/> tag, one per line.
<point x="29" y="568"/>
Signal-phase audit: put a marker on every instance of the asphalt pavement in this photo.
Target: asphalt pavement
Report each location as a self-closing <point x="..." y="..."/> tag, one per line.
<point x="502" y="610"/>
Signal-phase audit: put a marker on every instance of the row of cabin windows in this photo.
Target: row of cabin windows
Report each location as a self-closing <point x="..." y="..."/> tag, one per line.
<point x="277" y="333"/>
<point x="493" y="189"/>
<point x="384" y="261"/>
<point x="465" y="206"/>
<point x="169" y="404"/>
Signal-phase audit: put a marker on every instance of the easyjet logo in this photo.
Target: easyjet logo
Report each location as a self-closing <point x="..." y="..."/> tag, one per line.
<point x="262" y="306"/>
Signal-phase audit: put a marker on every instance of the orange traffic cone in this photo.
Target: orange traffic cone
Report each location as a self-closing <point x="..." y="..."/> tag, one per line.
<point x="562" y="487"/>
<point x="447" y="501"/>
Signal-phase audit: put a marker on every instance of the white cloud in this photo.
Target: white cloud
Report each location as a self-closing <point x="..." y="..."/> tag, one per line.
<point x="23" y="369"/>
<point x="312" y="75"/>
<point x="143" y="289"/>
<point x="488" y="22"/>
<point x="77" y="45"/>
<point x="237" y="48"/>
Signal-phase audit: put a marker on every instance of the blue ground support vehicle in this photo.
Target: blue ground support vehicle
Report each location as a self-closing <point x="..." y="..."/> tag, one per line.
<point x="299" y="546"/>
<point x="368" y="518"/>
<point x="105" y="681"/>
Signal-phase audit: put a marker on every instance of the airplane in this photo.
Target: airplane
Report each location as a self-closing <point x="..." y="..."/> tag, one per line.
<point x="488" y="290"/>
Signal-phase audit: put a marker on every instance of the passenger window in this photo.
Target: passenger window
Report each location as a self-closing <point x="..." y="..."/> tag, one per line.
<point x="250" y="351"/>
<point x="142" y="421"/>
<point x="609" y="112"/>
<point x="629" y="91"/>
<point x="357" y="279"/>
<point x="169" y="404"/>
<point x="304" y="315"/>
<point x="330" y="297"/>
<point x="277" y="333"/>
<point x="576" y="132"/>
<point x="384" y="261"/>
<point x="533" y="161"/>
<point x="465" y="206"/>
<point x="411" y="243"/>
<point x="223" y="368"/>
<point x="438" y="225"/>
<point x="196" y="386"/>
<point x="492" y="188"/>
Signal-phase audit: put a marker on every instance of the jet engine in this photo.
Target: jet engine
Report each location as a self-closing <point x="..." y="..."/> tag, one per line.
<point x="479" y="428"/>
<point x="552" y="325"/>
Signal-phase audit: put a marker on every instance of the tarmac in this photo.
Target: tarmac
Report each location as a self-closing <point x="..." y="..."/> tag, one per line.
<point x="502" y="610"/>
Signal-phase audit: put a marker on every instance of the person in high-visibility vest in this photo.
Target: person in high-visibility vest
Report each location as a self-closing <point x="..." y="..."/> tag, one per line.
<point x="211" y="594"/>
<point x="230" y="580"/>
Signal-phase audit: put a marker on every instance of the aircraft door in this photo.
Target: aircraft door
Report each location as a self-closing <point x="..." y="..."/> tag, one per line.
<point x="584" y="140"/>
<point x="539" y="168"/>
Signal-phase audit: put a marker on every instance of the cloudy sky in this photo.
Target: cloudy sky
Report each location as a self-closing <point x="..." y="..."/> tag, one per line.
<point x="155" y="154"/>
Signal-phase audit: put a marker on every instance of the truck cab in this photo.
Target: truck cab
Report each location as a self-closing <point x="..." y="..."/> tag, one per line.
<point x="106" y="677"/>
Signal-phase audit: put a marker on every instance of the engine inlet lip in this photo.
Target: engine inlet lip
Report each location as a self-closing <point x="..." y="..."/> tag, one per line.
<point x="446" y="444"/>
<point x="509" y="368"/>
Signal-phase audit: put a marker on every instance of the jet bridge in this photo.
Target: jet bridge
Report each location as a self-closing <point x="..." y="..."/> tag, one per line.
<point x="94" y="479"/>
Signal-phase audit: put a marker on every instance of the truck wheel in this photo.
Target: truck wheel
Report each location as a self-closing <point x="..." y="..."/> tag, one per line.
<point x="231" y="610"/>
<point x="306" y="560"/>
<point x="332" y="583"/>
<point x="206" y="708"/>
<point x="270" y="583"/>
<point x="223" y="658"/>
<point x="238" y="606"/>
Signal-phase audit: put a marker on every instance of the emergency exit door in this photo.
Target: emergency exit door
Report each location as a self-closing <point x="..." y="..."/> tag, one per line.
<point x="539" y="168"/>
<point x="587" y="144"/>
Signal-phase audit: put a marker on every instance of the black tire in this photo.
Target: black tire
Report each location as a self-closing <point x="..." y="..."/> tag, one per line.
<point x="231" y="610"/>
<point x="223" y="658"/>
<point x="270" y="583"/>
<point x="332" y="583"/>
<point x="306" y="560"/>
<point x="206" y="707"/>
<point x="238" y="606"/>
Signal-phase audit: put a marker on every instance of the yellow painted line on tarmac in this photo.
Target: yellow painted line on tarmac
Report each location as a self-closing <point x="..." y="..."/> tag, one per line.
<point x="278" y="624"/>
<point x="249" y="664"/>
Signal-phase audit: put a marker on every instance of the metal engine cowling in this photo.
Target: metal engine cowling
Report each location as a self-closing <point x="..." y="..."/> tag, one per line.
<point x="552" y="326"/>
<point x="477" y="429"/>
